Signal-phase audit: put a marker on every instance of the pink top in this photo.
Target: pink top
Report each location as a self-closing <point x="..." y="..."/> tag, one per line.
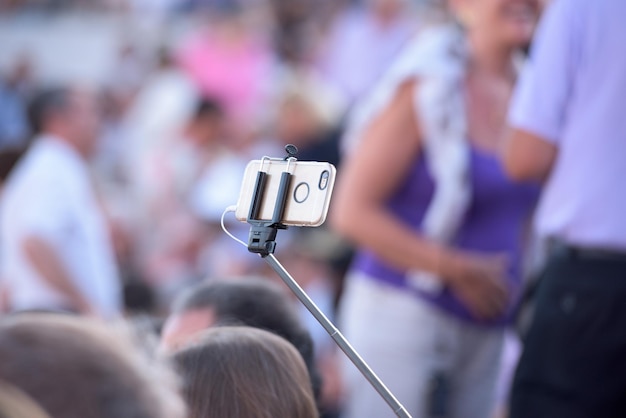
<point x="232" y="70"/>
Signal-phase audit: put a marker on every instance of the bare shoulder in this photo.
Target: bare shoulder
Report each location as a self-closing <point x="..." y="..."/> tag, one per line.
<point x="386" y="149"/>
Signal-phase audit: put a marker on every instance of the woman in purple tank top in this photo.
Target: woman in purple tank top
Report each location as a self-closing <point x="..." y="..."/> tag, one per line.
<point x="438" y="345"/>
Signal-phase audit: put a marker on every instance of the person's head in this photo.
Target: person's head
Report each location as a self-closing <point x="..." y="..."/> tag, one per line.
<point x="256" y="303"/>
<point x="78" y="368"/>
<point x="206" y="125"/>
<point x="244" y="372"/>
<point x="68" y="113"/>
<point x="306" y="110"/>
<point x="16" y="404"/>
<point x="387" y="10"/>
<point x="165" y="58"/>
<point x="506" y="23"/>
<point x="297" y="121"/>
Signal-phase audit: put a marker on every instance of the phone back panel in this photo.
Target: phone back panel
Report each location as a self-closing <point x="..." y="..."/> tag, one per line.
<point x="308" y="196"/>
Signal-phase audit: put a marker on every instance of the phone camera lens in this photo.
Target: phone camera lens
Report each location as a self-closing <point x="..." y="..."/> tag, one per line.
<point x="301" y="192"/>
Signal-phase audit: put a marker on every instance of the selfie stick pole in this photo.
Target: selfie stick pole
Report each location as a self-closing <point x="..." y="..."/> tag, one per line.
<point x="341" y="341"/>
<point x="262" y="241"/>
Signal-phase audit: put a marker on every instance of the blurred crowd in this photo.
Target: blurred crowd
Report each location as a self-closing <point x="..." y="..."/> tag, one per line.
<point x="171" y="127"/>
<point x="179" y="120"/>
<point x="117" y="165"/>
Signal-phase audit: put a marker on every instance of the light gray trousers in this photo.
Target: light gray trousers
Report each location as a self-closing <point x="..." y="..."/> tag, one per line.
<point x="407" y="342"/>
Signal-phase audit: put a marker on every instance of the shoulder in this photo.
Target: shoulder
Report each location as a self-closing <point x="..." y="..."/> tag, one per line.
<point x="45" y="170"/>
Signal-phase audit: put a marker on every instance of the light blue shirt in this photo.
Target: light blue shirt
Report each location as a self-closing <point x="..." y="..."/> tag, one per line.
<point x="573" y="94"/>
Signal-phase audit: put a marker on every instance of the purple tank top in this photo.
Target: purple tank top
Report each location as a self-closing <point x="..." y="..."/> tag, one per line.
<point x="494" y="223"/>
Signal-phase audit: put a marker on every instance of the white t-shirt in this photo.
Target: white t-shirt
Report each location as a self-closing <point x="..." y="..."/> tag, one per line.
<point x="573" y="94"/>
<point x="50" y="195"/>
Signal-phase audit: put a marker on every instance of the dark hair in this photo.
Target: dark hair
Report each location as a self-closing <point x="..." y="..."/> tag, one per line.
<point x="256" y="303"/>
<point x="207" y="107"/>
<point x="243" y="372"/>
<point x="45" y="104"/>
<point x="8" y="158"/>
<point x="79" y="368"/>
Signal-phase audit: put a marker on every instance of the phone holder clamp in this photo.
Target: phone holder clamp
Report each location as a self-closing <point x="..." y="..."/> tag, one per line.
<point x="262" y="237"/>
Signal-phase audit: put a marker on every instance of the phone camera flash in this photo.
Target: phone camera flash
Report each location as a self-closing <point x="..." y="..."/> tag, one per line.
<point x="324" y="180"/>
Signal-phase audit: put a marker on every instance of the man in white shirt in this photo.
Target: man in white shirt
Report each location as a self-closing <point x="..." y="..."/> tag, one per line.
<point x="56" y="251"/>
<point x="569" y="129"/>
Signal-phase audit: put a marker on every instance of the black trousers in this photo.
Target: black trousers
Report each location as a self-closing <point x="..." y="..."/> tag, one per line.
<point x="574" y="359"/>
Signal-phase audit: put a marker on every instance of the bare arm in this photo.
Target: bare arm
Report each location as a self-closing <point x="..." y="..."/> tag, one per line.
<point x="528" y="156"/>
<point x="47" y="263"/>
<point x="370" y="176"/>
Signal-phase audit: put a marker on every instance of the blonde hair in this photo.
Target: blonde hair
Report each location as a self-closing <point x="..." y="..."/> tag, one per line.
<point x="16" y="404"/>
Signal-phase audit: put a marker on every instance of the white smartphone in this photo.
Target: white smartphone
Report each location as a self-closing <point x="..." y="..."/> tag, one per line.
<point x="308" y="196"/>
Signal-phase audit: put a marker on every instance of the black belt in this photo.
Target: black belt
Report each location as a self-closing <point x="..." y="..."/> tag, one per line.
<point x="572" y="252"/>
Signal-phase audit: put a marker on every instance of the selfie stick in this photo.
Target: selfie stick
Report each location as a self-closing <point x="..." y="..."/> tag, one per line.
<point x="262" y="241"/>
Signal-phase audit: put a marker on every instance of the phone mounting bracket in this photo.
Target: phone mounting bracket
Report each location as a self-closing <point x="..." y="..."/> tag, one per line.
<point x="262" y="237"/>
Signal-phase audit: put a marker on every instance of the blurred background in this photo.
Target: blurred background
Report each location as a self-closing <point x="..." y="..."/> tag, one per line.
<point x="189" y="91"/>
<point x="186" y="93"/>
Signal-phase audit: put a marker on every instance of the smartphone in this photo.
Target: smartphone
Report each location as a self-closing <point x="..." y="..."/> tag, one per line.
<point x="308" y="195"/>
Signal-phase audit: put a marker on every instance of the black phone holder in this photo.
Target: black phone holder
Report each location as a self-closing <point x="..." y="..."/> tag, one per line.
<point x="262" y="241"/>
<point x="262" y="238"/>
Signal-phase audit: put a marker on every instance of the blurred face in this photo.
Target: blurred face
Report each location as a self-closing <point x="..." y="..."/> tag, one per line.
<point x="181" y="328"/>
<point x="387" y="9"/>
<point x="509" y="23"/>
<point x="82" y="121"/>
<point x="210" y="129"/>
<point x="295" y="123"/>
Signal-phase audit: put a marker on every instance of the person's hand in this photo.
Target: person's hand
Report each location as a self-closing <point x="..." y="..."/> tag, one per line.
<point x="478" y="281"/>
